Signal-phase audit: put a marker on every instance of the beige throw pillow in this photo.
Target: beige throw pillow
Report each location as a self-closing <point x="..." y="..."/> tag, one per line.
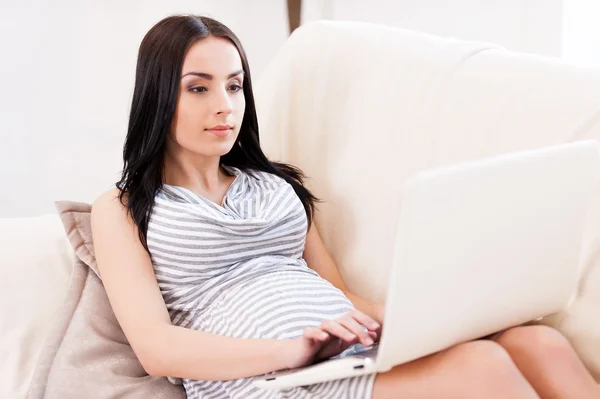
<point x="87" y="354"/>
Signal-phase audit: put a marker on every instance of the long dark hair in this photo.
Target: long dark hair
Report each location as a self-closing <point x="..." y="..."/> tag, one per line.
<point x="158" y="74"/>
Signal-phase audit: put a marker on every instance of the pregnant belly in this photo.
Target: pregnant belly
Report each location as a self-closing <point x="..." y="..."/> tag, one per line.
<point x="276" y="305"/>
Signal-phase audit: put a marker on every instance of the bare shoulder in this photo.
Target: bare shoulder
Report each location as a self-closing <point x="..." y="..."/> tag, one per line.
<point x="112" y="226"/>
<point x="108" y="209"/>
<point x="107" y="202"/>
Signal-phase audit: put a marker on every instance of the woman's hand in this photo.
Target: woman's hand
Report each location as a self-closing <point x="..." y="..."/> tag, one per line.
<point x="331" y="338"/>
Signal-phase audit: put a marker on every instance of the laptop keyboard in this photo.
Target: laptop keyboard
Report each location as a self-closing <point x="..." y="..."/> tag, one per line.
<point x="360" y="351"/>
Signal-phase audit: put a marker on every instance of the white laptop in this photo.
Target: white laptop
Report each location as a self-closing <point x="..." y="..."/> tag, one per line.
<point x="480" y="247"/>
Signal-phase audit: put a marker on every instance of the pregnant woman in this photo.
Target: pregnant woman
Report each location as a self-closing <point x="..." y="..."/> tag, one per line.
<point x="216" y="271"/>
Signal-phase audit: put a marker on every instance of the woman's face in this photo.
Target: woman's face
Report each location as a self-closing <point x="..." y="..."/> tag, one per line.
<point x="210" y="103"/>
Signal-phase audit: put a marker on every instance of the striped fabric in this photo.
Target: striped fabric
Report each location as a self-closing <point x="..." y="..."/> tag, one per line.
<point x="236" y="269"/>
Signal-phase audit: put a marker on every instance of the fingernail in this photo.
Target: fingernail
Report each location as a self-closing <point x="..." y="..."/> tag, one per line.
<point x="351" y="337"/>
<point x="323" y="335"/>
<point x="369" y="341"/>
<point x="374" y="324"/>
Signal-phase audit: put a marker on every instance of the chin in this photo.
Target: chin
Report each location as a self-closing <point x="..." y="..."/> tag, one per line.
<point x="210" y="149"/>
<point x="219" y="150"/>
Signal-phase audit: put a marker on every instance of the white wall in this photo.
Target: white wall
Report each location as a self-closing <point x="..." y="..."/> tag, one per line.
<point x="581" y="32"/>
<point x="66" y="76"/>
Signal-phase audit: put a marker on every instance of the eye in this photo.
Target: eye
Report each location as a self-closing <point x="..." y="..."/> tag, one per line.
<point x="235" y="88"/>
<point x="198" y="89"/>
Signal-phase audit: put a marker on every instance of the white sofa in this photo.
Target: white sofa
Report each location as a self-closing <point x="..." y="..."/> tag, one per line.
<point x="359" y="108"/>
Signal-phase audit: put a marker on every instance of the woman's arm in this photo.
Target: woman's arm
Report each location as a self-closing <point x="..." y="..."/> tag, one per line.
<point x="162" y="348"/>
<point x="317" y="258"/>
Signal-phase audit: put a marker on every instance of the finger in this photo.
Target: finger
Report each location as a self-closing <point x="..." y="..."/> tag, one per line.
<point x="315" y="334"/>
<point x="364" y="320"/>
<point x="359" y="330"/>
<point x="334" y="328"/>
<point x="374" y="336"/>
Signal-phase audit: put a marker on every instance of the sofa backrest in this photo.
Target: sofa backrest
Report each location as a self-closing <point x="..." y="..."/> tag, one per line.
<point x="360" y="107"/>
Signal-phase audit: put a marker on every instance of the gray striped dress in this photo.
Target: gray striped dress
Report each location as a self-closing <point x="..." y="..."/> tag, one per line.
<point x="237" y="270"/>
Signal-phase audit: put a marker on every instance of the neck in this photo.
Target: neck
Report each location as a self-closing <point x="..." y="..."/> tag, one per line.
<point x="193" y="171"/>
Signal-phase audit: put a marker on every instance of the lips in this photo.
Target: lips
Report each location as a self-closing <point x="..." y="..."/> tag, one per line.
<point x="220" y="130"/>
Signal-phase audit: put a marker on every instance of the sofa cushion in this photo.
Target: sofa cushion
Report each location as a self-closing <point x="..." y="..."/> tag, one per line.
<point x="87" y="354"/>
<point x="35" y="266"/>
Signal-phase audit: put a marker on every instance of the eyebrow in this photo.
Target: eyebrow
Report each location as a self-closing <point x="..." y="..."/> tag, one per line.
<point x="208" y="76"/>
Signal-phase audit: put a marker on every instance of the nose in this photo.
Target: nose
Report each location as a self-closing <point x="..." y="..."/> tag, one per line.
<point x="222" y="102"/>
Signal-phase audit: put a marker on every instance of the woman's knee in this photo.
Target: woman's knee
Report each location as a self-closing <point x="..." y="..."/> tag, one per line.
<point x="487" y="367"/>
<point x="479" y="352"/>
<point x="471" y="370"/>
<point x="538" y="342"/>
<point x="481" y="359"/>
